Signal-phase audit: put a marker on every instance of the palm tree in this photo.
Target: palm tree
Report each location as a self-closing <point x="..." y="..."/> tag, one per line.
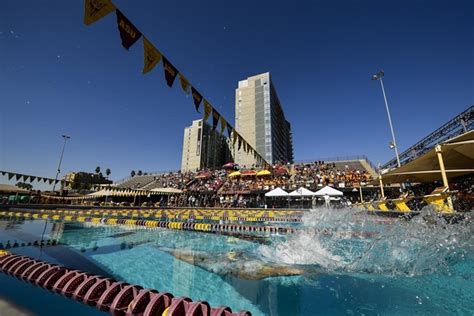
<point x="140" y="172"/>
<point x="107" y="172"/>
<point x="132" y="174"/>
<point x="97" y="170"/>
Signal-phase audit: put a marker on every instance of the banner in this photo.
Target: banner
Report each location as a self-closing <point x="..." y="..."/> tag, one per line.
<point x="215" y="119"/>
<point x="207" y="110"/>
<point x="197" y="97"/>
<point x="151" y="56"/>
<point x="128" y="32"/>
<point x="234" y="136"/>
<point x="96" y="9"/>
<point x="170" y="72"/>
<point x="223" y="124"/>
<point x="184" y="83"/>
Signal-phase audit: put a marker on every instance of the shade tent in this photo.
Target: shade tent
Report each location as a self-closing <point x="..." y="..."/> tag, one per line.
<point x="166" y="191"/>
<point x="327" y="190"/>
<point x="458" y="156"/>
<point x="278" y="192"/>
<point x="301" y="192"/>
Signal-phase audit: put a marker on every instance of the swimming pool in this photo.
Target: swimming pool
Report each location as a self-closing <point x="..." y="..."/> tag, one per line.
<point x="337" y="263"/>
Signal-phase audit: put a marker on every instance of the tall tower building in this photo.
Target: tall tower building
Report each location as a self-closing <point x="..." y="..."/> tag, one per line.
<point x="260" y="119"/>
<point x="204" y="148"/>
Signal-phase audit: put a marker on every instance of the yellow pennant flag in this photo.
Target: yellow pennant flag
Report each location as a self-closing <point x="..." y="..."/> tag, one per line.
<point x="223" y="124"/>
<point x="184" y="83"/>
<point x="151" y="56"/>
<point x="234" y="137"/>
<point x="96" y="9"/>
<point x="207" y="110"/>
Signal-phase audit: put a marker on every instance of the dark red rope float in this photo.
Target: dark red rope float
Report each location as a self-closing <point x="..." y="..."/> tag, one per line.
<point x="118" y="298"/>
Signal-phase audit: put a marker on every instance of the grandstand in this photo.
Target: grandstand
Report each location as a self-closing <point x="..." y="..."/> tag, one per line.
<point x="458" y="125"/>
<point x="343" y="172"/>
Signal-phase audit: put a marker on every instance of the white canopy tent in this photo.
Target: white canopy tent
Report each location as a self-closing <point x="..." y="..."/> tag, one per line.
<point x="278" y="192"/>
<point x="301" y="192"/>
<point x="327" y="190"/>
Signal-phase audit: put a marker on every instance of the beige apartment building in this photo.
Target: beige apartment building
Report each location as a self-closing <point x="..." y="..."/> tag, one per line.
<point x="204" y="148"/>
<point x="260" y="119"/>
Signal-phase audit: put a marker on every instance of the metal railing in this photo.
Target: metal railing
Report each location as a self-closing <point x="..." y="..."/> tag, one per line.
<point x="460" y="124"/>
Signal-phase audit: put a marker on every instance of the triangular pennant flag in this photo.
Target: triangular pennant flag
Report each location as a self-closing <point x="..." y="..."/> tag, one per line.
<point x="197" y="97"/>
<point x="50" y="181"/>
<point x="128" y="32"/>
<point x="10" y="175"/>
<point x="151" y="56"/>
<point x="3" y="173"/>
<point x="207" y="110"/>
<point x="25" y="178"/>
<point x="215" y="119"/>
<point x="45" y="180"/>
<point x="96" y="9"/>
<point x="234" y="136"/>
<point x="170" y="72"/>
<point x="18" y="177"/>
<point x="32" y="179"/>
<point x="229" y="129"/>
<point x="184" y="83"/>
<point x="240" y="142"/>
<point x="223" y="124"/>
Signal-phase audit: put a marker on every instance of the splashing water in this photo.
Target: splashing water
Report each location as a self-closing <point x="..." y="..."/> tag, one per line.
<point x="349" y="241"/>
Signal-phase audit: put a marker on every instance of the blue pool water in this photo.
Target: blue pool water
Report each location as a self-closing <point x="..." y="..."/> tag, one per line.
<point x="395" y="267"/>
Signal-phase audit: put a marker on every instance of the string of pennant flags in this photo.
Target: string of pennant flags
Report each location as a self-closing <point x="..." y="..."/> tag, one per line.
<point x="94" y="10"/>
<point x="30" y="178"/>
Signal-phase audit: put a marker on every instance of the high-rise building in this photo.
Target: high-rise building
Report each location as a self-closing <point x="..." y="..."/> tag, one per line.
<point x="260" y="119"/>
<point x="204" y="148"/>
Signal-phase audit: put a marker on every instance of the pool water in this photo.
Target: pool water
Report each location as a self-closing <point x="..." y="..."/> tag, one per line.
<point x="339" y="263"/>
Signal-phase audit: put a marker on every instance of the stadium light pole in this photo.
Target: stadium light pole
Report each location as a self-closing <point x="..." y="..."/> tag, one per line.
<point x="379" y="77"/>
<point x="65" y="137"/>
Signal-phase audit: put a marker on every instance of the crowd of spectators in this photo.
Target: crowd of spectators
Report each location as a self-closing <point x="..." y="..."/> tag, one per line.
<point x="311" y="175"/>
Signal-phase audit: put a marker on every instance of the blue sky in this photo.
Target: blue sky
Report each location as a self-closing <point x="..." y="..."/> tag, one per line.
<point x="59" y="76"/>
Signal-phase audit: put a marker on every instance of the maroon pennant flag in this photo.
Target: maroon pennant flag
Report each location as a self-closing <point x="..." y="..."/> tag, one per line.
<point x="197" y="97"/>
<point x="170" y="72"/>
<point x="215" y="119"/>
<point x="128" y="32"/>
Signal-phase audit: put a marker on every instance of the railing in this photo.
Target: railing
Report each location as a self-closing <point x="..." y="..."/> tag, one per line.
<point x="460" y="124"/>
<point x="339" y="158"/>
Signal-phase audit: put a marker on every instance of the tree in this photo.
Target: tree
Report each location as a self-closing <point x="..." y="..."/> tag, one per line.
<point x="140" y="172"/>
<point x="132" y="174"/>
<point x="24" y="185"/>
<point x="107" y="172"/>
<point x="97" y="170"/>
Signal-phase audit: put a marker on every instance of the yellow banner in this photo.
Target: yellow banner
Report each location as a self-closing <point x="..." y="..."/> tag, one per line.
<point x="96" y="9"/>
<point x="151" y="56"/>
<point x="207" y="110"/>
<point x="184" y="83"/>
<point x="223" y="124"/>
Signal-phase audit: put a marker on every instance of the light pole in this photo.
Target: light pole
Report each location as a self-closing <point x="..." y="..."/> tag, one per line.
<point x="66" y="137"/>
<point x="393" y="145"/>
